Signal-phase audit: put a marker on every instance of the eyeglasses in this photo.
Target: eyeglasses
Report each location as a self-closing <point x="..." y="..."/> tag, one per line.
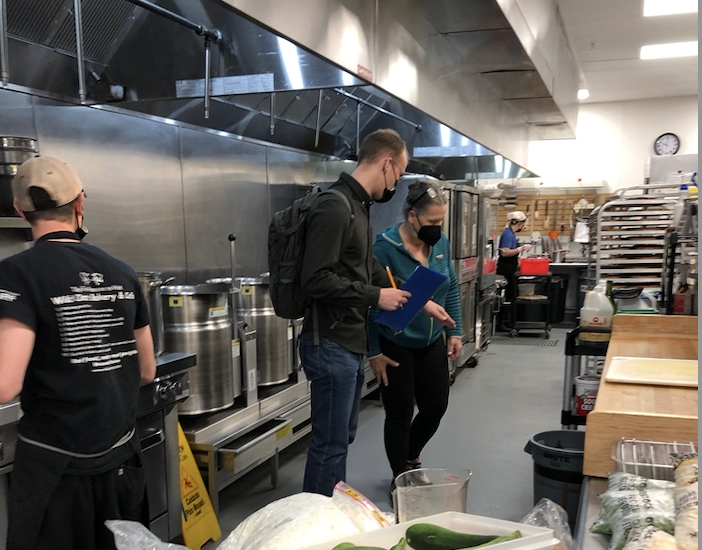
<point x="402" y="174"/>
<point x="428" y="191"/>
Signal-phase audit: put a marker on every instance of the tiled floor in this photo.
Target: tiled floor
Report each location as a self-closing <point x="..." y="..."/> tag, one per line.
<point x="514" y="392"/>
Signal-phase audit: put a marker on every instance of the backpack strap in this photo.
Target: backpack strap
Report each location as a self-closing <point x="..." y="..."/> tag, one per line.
<point x="345" y="200"/>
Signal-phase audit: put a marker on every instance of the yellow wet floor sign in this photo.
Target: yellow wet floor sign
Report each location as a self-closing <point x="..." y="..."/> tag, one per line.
<point x="198" y="517"/>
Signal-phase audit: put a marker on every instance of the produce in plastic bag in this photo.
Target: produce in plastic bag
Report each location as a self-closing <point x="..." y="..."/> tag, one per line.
<point x="649" y="538"/>
<point x="305" y="519"/>
<point x="627" y="510"/>
<point x="686" y="468"/>
<point x="548" y="514"/>
<point x="620" y="481"/>
<point x="131" y="535"/>
<point x="686" y="502"/>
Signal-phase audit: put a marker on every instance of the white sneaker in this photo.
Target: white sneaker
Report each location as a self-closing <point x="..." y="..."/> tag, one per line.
<point x="417" y="475"/>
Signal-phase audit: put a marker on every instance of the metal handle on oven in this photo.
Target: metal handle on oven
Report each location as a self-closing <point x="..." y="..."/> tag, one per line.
<point x="258" y="439"/>
<point x="154" y="438"/>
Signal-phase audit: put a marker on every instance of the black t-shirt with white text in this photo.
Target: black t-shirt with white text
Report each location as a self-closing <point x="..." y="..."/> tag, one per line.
<point x="81" y="386"/>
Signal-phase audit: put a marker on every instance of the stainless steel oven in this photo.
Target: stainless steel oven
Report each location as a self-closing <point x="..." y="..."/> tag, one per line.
<point x="157" y="428"/>
<point x="9" y="417"/>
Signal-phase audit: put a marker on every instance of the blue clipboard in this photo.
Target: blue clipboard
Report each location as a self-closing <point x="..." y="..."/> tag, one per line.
<point x="422" y="284"/>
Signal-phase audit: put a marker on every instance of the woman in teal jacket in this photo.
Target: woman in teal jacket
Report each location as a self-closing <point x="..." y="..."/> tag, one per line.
<point x="412" y="364"/>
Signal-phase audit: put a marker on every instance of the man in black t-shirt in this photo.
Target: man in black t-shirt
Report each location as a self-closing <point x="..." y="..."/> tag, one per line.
<point x="75" y="345"/>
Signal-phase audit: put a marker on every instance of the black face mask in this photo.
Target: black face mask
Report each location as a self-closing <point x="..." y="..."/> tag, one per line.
<point x="387" y="194"/>
<point x="430" y="234"/>
<point x="82" y="231"/>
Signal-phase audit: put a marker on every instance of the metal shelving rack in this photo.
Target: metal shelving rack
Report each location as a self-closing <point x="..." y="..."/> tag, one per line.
<point x="676" y="260"/>
<point x="575" y="351"/>
<point x="529" y="304"/>
<point x="627" y="236"/>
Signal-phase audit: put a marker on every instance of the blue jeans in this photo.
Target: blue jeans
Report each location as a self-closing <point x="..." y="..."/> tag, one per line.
<point x="336" y="381"/>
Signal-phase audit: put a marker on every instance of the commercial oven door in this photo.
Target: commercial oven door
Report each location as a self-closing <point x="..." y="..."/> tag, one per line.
<point x="153" y="448"/>
<point x="467" y="292"/>
<point x="463" y="223"/>
<point x="473" y="221"/>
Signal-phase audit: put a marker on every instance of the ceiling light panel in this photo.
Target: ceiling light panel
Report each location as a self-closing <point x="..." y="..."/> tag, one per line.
<point x="654" y="8"/>
<point x="661" y="51"/>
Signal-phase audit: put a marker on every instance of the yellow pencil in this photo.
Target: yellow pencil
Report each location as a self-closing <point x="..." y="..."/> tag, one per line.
<point x="392" y="279"/>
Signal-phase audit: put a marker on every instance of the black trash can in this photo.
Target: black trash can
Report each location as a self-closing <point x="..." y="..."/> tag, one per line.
<point x="558" y="468"/>
<point x="557" y="299"/>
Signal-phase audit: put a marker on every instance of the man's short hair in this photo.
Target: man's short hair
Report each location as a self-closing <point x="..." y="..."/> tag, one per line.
<point x="380" y="143"/>
<point x="45" y="183"/>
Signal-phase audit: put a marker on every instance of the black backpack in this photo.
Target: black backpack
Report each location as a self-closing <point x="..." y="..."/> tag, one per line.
<point x="286" y="248"/>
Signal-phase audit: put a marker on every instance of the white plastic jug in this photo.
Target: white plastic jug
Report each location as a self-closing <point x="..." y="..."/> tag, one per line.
<point x="597" y="311"/>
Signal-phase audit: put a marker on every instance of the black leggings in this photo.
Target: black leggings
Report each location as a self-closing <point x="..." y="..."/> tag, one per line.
<point x="422" y="376"/>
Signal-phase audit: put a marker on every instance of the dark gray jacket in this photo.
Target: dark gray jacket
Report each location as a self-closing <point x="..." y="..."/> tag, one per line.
<point x="339" y="270"/>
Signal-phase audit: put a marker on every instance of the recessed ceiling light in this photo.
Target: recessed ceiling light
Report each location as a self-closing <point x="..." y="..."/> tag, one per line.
<point x="653" y="8"/>
<point x="583" y="93"/>
<point x="677" y="49"/>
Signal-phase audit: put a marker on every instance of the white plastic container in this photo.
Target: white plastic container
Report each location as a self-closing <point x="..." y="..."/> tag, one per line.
<point x="597" y="311"/>
<point x="533" y="538"/>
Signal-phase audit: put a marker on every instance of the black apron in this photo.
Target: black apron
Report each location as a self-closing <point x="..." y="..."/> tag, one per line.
<point x="34" y="478"/>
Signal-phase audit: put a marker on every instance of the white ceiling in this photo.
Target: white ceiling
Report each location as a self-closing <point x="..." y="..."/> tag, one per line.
<point x="606" y="36"/>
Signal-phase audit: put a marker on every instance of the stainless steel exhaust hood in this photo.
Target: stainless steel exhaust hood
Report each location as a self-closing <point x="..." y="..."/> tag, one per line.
<point x="266" y="87"/>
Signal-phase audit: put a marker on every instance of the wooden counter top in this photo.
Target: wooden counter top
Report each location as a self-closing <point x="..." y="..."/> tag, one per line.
<point x="639" y="411"/>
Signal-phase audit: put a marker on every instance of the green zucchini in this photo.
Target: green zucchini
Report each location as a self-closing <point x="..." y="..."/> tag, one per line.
<point x="401" y="545"/>
<point x="497" y="540"/>
<point x="426" y="536"/>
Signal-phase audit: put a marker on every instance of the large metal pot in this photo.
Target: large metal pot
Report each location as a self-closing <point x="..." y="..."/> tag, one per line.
<point x="196" y="320"/>
<point x="558" y="256"/>
<point x="13" y="152"/>
<point x="273" y="333"/>
<point x="151" y="283"/>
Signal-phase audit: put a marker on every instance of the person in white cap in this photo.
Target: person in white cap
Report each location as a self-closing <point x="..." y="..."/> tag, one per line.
<point x="75" y="345"/>
<point x="507" y="264"/>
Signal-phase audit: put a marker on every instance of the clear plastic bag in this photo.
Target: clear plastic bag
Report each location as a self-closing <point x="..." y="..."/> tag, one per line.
<point x="548" y="514"/>
<point x="131" y="535"/>
<point x="306" y="519"/>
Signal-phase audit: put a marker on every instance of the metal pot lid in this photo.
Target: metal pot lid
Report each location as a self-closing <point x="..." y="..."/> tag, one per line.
<point x="190" y="290"/>
<point x="219" y="280"/>
<point x="149" y="274"/>
<point x="16" y="142"/>
<point x="253" y="281"/>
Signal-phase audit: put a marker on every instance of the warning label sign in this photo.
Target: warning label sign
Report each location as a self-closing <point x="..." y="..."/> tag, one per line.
<point x="199" y="521"/>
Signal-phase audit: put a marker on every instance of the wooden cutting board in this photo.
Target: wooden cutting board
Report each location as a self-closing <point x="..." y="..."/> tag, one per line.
<point x="642" y="411"/>
<point x="649" y="370"/>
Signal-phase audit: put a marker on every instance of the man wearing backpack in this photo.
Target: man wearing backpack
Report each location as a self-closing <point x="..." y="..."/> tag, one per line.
<point x="342" y="281"/>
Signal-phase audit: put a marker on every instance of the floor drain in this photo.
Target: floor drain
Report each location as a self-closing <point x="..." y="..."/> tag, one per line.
<point x="524" y="342"/>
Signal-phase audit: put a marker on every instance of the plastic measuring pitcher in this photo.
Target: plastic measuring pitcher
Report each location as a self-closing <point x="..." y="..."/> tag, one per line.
<point x="427" y="491"/>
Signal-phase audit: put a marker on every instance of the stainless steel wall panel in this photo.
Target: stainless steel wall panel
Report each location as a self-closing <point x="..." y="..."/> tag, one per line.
<point x="17" y="115"/>
<point x="285" y="167"/>
<point x="131" y="172"/>
<point x="163" y="197"/>
<point x="16" y="119"/>
<point x="224" y="192"/>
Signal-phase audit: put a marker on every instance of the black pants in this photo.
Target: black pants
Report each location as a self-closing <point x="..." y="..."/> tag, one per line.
<point x="71" y="511"/>
<point x="422" y="376"/>
<point x="506" y="316"/>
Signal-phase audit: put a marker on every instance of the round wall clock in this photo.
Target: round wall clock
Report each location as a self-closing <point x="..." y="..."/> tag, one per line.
<point x="666" y="144"/>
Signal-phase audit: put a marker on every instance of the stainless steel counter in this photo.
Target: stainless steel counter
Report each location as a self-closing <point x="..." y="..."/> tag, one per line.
<point x="588" y="511"/>
<point x="10" y="412"/>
